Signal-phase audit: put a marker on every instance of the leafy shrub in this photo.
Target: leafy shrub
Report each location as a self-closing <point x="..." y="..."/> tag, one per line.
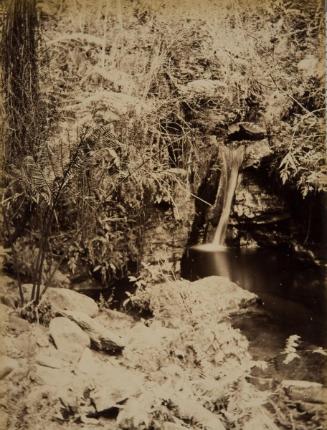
<point x="117" y="79"/>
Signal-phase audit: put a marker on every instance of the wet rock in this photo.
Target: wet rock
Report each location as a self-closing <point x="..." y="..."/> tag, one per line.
<point x="255" y="152"/>
<point x="246" y="131"/>
<point x="67" y="336"/>
<point x="63" y="299"/>
<point x="255" y="204"/>
<point x="305" y="391"/>
<point x="102" y="339"/>
<point x="7" y="365"/>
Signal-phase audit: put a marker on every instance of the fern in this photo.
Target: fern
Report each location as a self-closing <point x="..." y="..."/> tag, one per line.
<point x="290" y="351"/>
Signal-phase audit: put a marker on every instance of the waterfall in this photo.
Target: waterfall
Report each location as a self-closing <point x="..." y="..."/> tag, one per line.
<point x="231" y="160"/>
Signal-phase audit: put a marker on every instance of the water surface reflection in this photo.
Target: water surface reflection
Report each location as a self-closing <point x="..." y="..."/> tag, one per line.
<point x="293" y="291"/>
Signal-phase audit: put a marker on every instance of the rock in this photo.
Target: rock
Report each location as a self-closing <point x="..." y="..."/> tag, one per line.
<point x="255" y="152"/>
<point x="111" y="384"/>
<point x="18" y="325"/>
<point x="255" y="204"/>
<point x="245" y="131"/>
<point x="7" y="365"/>
<point x="102" y="338"/>
<point x="135" y="414"/>
<point x="63" y="299"/>
<point x="117" y="322"/>
<point x="306" y="391"/>
<point x="52" y="377"/>
<point x="191" y="410"/>
<point x="224" y="293"/>
<point x="50" y="358"/>
<point x="21" y="346"/>
<point x="67" y="336"/>
<point x="87" y="361"/>
<point x="41" y="336"/>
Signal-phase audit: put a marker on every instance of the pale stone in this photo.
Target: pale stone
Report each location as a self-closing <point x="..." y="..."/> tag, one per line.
<point x="7" y="365"/>
<point x="63" y="299"/>
<point x="102" y="338"/>
<point x="305" y="391"/>
<point x="67" y="336"/>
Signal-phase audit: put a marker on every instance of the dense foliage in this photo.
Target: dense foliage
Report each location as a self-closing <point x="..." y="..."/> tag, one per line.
<point x="122" y="128"/>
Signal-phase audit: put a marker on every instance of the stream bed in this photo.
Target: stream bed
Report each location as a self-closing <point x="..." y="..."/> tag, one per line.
<point x="292" y="292"/>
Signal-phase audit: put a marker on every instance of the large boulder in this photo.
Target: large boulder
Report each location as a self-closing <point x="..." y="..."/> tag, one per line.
<point x="214" y="296"/>
<point x="63" y="299"/>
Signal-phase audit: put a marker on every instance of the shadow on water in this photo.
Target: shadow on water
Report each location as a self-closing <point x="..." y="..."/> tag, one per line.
<point x="292" y="291"/>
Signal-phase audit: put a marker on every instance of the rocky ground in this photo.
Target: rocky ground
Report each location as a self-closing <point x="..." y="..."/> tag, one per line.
<point x="92" y="367"/>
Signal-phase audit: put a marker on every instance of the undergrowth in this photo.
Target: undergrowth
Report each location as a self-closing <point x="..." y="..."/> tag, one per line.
<point x="122" y="75"/>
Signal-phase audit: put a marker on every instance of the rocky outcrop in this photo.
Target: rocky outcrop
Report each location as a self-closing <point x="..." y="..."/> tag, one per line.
<point x="63" y="299"/>
<point x="158" y="378"/>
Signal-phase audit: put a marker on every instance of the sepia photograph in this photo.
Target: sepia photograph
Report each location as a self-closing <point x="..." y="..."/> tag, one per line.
<point x="163" y="207"/>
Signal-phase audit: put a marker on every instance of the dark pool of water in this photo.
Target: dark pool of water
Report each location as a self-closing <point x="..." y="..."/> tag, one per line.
<point x="293" y="292"/>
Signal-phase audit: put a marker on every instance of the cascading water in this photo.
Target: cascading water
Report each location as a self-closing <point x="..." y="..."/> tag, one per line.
<point x="231" y="162"/>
